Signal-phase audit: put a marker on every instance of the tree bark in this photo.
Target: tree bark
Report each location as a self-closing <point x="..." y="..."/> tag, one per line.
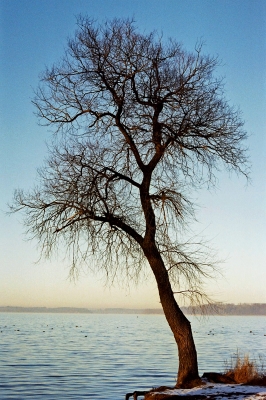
<point x="188" y="375"/>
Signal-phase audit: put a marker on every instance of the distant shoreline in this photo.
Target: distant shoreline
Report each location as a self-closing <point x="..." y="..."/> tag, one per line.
<point x="247" y="309"/>
<point x="75" y="310"/>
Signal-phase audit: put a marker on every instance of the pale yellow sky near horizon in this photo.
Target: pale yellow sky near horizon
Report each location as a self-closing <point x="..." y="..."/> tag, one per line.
<point x="45" y="284"/>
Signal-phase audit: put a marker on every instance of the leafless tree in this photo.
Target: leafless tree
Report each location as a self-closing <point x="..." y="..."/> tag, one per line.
<point x="141" y="123"/>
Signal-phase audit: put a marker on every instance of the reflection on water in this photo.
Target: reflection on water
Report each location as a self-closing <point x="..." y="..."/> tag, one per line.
<point x="77" y="356"/>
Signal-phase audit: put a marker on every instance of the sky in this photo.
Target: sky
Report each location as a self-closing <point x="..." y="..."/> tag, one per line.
<point x="33" y="35"/>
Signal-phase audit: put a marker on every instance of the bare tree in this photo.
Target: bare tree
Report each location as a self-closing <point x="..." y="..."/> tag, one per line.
<point x="142" y="122"/>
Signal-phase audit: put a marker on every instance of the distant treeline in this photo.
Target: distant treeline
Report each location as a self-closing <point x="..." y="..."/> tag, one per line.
<point x="227" y="309"/>
<point x="46" y="310"/>
<point x="210" y="309"/>
<point x="75" y="310"/>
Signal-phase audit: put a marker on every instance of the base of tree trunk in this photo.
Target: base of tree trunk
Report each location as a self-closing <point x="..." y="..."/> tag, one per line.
<point x="190" y="384"/>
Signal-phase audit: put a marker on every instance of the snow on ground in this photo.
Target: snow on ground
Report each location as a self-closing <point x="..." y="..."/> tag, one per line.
<point x="219" y="391"/>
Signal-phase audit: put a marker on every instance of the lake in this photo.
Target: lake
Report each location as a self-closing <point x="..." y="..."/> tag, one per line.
<point x="103" y="356"/>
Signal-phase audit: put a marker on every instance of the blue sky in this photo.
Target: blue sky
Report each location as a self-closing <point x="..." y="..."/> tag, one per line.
<point x="33" y="34"/>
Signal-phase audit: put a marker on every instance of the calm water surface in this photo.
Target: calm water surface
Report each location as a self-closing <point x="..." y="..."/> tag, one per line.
<point x="79" y="356"/>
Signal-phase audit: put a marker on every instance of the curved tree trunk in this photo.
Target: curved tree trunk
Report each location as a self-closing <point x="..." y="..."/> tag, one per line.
<point x="188" y="375"/>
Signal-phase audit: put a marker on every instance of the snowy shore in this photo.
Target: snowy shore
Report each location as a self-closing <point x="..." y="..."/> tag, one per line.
<point x="212" y="391"/>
